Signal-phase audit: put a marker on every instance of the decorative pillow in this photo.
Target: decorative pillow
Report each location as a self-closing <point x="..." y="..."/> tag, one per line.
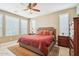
<point x="47" y="32"/>
<point x="39" y="32"/>
<point x="51" y="33"/>
<point x="44" y="32"/>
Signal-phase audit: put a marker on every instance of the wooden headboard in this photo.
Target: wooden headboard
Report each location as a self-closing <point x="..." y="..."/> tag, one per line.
<point x="49" y="29"/>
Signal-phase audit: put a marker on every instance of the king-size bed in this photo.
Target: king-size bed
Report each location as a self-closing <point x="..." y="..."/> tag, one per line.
<point x="41" y="42"/>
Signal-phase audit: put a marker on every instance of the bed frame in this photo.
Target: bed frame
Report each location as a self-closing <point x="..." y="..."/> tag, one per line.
<point x="36" y="50"/>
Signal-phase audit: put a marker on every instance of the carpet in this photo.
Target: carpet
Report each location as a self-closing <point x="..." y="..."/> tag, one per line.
<point x="19" y="51"/>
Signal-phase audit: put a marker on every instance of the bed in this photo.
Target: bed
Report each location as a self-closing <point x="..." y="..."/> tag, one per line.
<point x="41" y="43"/>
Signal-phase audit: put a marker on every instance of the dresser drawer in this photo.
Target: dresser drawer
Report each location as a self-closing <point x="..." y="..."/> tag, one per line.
<point x="63" y="41"/>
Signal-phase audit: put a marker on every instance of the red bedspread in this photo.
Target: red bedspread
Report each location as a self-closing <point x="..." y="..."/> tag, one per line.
<point x="41" y="42"/>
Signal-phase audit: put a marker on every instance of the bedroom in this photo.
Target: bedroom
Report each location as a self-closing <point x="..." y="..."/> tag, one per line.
<point x="16" y="22"/>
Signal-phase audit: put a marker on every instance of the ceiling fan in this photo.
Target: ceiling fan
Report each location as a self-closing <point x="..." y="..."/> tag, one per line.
<point x="31" y="7"/>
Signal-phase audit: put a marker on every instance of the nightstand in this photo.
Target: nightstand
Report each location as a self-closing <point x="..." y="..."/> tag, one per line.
<point x="63" y="41"/>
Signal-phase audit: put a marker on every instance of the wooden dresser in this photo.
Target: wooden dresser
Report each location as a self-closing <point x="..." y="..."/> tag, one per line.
<point x="63" y="41"/>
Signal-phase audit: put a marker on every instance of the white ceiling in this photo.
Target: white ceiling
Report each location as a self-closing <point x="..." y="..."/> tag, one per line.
<point x="45" y="8"/>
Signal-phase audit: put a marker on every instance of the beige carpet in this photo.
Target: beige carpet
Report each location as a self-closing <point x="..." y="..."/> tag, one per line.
<point x="19" y="51"/>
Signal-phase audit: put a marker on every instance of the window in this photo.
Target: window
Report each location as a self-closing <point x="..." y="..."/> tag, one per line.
<point x="24" y="24"/>
<point x="33" y="24"/>
<point x="1" y="26"/>
<point x="64" y="24"/>
<point x="12" y="26"/>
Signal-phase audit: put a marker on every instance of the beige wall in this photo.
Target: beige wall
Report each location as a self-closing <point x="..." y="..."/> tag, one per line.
<point x="8" y="38"/>
<point x="52" y="20"/>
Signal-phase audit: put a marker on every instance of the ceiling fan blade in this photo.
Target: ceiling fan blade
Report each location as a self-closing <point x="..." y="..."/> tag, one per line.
<point x="29" y="6"/>
<point x="36" y="10"/>
<point x="34" y="4"/>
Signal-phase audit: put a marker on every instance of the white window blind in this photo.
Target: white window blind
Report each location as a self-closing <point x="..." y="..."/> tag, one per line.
<point x="12" y="26"/>
<point x="24" y="24"/>
<point x="33" y="23"/>
<point x="64" y="24"/>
